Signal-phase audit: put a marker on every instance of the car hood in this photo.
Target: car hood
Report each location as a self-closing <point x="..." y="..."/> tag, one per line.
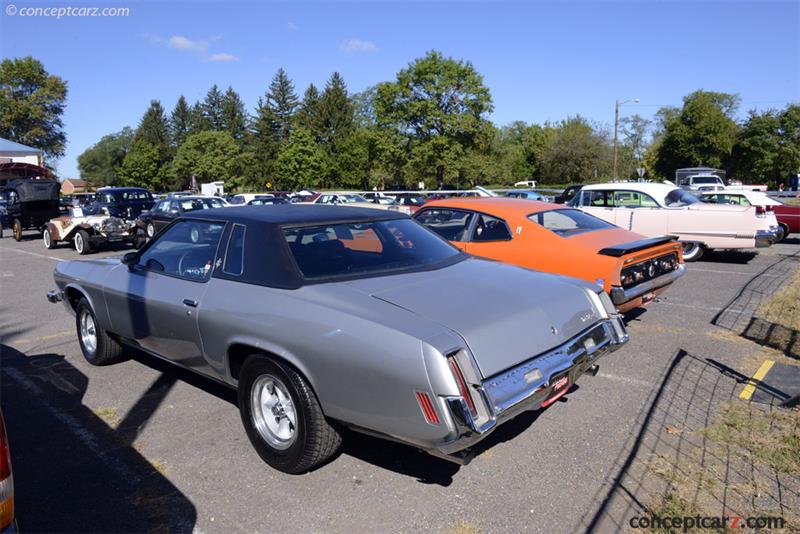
<point x="505" y="314"/>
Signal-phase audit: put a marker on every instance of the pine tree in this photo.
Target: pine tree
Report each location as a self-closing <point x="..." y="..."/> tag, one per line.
<point x="283" y="103"/>
<point x="198" y="121"/>
<point x="273" y="121"/>
<point x="212" y="108"/>
<point x="234" y="116"/>
<point x="180" y="122"/>
<point x="154" y="130"/>
<point x="308" y="112"/>
<point x="336" y="112"/>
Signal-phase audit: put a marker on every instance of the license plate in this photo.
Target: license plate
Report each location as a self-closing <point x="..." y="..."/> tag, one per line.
<point x="647" y="298"/>
<point x="560" y="387"/>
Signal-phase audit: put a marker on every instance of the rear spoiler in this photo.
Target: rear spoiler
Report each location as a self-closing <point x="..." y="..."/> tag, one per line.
<point x="635" y="246"/>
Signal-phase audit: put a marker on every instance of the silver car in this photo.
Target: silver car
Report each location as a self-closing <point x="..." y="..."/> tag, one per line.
<point x="325" y="317"/>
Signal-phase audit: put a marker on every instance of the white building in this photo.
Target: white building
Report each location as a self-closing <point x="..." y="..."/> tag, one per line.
<point x="11" y="152"/>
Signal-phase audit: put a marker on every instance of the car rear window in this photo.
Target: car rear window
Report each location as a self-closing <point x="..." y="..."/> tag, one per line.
<point x="567" y="223"/>
<point x="365" y="248"/>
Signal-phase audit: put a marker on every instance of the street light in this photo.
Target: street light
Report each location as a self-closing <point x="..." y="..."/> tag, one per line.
<point x="616" y="127"/>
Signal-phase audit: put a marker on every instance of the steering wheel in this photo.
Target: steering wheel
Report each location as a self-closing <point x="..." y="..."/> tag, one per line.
<point x="181" y="270"/>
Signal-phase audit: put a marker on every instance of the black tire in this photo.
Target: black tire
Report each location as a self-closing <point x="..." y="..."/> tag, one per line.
<point x="785" y="230"/>
<point x="49" y="242"/>
<point x="151" y="230"/>
<point x="315" y="440"/>
<point x="81" y="241"/>
<point x="106" y="351"/>
<point x="692" y="251"/>
<point x="140" y="239"/>
<point x="16" y="229"/>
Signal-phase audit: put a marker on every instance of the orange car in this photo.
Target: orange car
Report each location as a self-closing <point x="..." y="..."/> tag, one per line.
<point x="562" y="240"/>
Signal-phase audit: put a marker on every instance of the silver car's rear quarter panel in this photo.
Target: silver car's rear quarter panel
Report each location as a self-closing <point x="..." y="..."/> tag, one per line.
<point x="87" y="277"/>
<point x="362" y="356"/>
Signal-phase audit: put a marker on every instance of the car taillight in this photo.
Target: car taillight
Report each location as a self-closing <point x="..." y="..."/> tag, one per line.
<point x="761" y="211"/>
<point x="462" y="384"/>
<point x="427" y="408"/>
<point x="6" y="481"/>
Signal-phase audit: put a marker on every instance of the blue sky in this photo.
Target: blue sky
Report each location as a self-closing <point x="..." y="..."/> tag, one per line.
<point x="541" y="60"/>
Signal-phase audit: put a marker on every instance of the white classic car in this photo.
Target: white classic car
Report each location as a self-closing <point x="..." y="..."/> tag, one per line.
<point x="654" y="209"/>
<point x="745" y="197"/>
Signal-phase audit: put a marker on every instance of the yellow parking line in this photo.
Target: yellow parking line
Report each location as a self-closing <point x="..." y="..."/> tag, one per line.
<point x="29" y="340"/>
<point x="748" y="391"/>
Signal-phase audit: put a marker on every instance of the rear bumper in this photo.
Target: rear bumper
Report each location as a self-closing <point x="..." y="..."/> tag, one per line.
<point x="766" y="238"/>
<point x="620" y="296"/>
<point x="528" y="385"/>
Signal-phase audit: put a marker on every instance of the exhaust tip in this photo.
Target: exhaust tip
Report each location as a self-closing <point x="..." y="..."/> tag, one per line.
<point x="592" y="370"/>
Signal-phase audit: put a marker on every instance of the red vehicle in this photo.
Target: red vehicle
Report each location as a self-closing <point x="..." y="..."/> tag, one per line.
<point x="788" y="216"/>
<point x="7" y="522"/>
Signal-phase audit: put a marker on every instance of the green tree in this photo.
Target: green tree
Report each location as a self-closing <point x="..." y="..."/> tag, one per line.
<point x="180" y="122"/>
<point x="702" y="133"/>
<point x="300" y="162"/>
<point x="520" y="149"/>
<point x="208" y="156"/>
<point x="212" y="109"/>
<point x="768" y="146"/>
<point x="308" y="111"/>
<point x="272" y="124"/>
<point x="142" y="166"/>
<point x="234" y="116"/>
<point x="154" y="130"/>
<point x="100" y="164"/>
<point x="576" y="152"/>
<point x="198" y="122"/>
<point x="31" y="104"/>
<point x="440" y="105"/>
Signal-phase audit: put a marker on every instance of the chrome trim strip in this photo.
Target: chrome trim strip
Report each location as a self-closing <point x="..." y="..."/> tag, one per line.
<point x="620" y="295"/>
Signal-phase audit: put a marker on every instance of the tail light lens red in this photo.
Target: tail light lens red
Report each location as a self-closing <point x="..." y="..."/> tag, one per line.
<point x="427" y="408"/>
<point x="6" y="481"/>
<point x="462" y="384"/>
<point x="761" y="211"/>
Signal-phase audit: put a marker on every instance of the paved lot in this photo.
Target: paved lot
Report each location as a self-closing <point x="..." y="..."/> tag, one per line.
<point x="143" y="446"/>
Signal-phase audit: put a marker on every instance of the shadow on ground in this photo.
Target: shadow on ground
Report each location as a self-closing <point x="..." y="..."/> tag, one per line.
<point x="740" y="315"/>
<point x="669" y="466"/>
<point x="72" y="471"/>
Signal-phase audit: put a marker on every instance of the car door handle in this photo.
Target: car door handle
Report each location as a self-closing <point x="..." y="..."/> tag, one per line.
<point x="190" y="302"/>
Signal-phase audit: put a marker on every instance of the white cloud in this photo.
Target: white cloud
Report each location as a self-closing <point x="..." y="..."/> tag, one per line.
<point x="223" y="56"/>
<point x="292" y="27"/>
<point x="179" y="42"/>
<point x="358" y="46"/>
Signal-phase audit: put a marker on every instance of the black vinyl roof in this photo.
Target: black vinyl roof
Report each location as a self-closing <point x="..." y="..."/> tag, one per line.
<point x="295" y="214"/>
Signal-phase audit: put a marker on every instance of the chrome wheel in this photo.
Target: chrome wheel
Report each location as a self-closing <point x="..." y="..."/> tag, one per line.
<point x="151" y="230"/>
<point x="79" y="244"/>
<point x="691" y="251"/>
<point x="47" y="238"/>
<point x="88" y="332"/>
<point x="273" y="412"/>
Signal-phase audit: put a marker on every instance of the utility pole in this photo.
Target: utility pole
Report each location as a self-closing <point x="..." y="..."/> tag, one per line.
<point x="617" y="105"/>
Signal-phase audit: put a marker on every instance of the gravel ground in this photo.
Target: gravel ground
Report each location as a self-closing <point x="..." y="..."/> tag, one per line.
<point x="144" y="446"/>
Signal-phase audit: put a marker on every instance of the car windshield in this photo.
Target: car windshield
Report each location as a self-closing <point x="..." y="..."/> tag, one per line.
<point x="568" y="222"/>
<point x="678" y="197"/>
<point x="366" y="248"/>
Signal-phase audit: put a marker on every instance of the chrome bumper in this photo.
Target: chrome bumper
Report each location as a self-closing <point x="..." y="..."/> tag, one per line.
<point x="779" y="234"/>
<point x="766" y="238"/>
<point x="55" y="296"/>
<point x="620" y="295"/>
<point x="526" y="386"/>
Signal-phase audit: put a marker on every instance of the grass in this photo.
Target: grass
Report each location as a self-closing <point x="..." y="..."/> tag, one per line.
<point x="784" y="307"/>
<point x="770" y="438"/>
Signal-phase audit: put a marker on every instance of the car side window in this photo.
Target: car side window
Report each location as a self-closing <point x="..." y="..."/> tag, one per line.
<point x="490" y="229"/>
<point x="633" y="199"/>
<point x="450" y="224"/>
<point x="596" y="198"/>
<point x="186" y="250"/>
<point x="234" y="256"/>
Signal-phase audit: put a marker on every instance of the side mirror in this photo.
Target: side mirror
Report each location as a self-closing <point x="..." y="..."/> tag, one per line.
<point x="130" y="259"/>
